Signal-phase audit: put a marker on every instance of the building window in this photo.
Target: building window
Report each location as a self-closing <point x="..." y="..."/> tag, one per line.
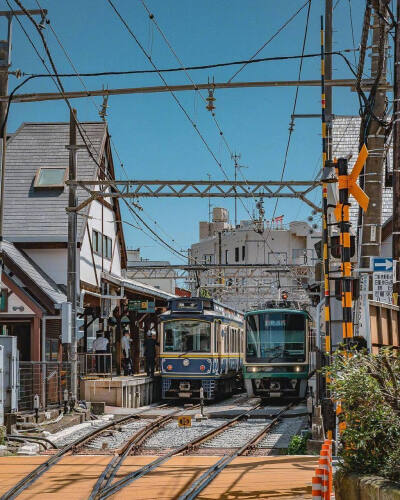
<point x="102" y="244"/>
<point x="96" y="238"/>
<point x="107" y="247"/>
<point x="208" y="259"/>
<point x="50" y="177"/>
<point x="226" y="256"/>
<point x="243" y="252"/>
<point x="236" y="254"/>
<point x="4" y="300"/>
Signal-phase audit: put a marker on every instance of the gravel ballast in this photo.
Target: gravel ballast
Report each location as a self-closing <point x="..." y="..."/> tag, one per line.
<point x="173" y="436"/>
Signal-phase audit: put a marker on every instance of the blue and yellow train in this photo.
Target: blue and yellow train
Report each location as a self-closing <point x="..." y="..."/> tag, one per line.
<point x="201" y="346"/>
<point x="278" y="360"/>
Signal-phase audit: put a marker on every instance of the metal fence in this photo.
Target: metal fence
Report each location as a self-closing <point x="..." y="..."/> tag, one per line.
<point x="49" y="380"/>
<point x="95" y="363"/>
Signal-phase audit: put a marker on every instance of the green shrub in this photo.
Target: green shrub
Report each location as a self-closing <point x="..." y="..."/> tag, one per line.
<point x="298" y="445"/>
<point x="368" y="386"/>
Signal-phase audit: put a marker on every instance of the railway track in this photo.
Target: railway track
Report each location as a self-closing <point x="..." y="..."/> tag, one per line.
<point x="106" y="485"/>
<point x="106" y="489"/>
<point x="205" y="479"/>
<point x="77" y="445"/>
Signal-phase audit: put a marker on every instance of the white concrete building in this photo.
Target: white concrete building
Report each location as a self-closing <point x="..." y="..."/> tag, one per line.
<point x="285" y="252"/>
<point x="156" y="278"/>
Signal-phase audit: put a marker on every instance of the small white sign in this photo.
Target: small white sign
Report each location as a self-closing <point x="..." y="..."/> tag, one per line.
<point x="383" y="286"/>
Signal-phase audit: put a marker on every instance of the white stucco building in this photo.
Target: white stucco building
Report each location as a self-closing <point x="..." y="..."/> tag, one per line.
<point x="285" y="253"/>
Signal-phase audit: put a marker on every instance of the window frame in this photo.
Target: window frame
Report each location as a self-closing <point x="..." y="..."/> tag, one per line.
<point x="102" y="244"/>
<point x="237" y="254"/>
<point x="36" y="184"/>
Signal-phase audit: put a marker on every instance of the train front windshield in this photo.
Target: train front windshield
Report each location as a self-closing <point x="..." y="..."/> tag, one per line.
<point x="276" y="337"/>
<point x="187" y="336"/>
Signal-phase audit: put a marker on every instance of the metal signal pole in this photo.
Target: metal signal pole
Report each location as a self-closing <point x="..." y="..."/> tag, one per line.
<point x="396" y="158"/>
<point x="325" y="234"/>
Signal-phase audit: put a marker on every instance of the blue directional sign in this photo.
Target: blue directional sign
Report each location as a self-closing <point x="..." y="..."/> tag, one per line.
<point x="382" y="264"/>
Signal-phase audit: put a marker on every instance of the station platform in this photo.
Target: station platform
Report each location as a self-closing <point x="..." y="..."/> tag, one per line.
<point x="286" y="477"/>
<point x="122" y="392"/>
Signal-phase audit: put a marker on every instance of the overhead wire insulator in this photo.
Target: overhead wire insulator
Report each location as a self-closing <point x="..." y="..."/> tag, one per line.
<point x="210" y="100"/>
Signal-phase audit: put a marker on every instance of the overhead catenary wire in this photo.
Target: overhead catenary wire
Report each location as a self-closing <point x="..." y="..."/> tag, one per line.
<point x="124" y="22"/>
<point x="62" y="92"/>
<point x="193" y="68"/>
<point x="291" y="124"/>
<point x="97" y="107"/>
<point x="173" y="94"/>
<point x="269" y="40"/>
<point x="195" y="87"/>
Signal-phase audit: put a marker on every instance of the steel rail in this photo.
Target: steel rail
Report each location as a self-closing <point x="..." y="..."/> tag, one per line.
<point x="34" y="438"/>
<point x="133" y="444"/>
<point x="30" y="478"/>
<point x="205" y="479"/>
<point x="187" y="447"/>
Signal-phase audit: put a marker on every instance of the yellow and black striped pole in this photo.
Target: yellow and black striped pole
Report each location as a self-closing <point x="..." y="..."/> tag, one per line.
<point x="344" y="226"/>
<point x="325" y="234"/>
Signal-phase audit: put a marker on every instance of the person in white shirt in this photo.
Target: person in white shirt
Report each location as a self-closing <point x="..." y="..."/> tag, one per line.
<point x="100" y="346"/>
<point x="126" y="350"/>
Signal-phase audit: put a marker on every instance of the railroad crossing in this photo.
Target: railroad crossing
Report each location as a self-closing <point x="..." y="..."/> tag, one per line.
<point x="266" y="365"/>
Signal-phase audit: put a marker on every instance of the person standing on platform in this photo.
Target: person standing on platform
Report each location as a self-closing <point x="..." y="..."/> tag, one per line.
<point x="100" y="346"/>
<point x="126" y="350"/>
<point x="150" y="344"/>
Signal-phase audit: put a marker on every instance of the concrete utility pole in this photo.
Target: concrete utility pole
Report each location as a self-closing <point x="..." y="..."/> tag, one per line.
<point x="72" y="282"/>
<point x="5" y="61"/>
<point x="396" y="157"/>
<point x="373" y="170"/>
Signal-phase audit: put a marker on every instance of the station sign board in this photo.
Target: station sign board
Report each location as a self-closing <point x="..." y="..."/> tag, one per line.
<point x="382" y="279"/>
<point x="142" y="306"/>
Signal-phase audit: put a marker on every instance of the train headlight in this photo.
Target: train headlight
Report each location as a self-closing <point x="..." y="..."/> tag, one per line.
<point x="252" y="369"/>
<point x="297" y="368"/>
<point x="169" y="367"/>
<point x="202" y="368"/>
<point x="185" y="362"/>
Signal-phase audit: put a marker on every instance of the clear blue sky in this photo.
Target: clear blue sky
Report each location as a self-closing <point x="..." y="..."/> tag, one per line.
<point x="153" y="137"/>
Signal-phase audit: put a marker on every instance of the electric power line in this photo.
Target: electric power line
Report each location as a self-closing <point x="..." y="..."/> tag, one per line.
<point x="62" y="92"/>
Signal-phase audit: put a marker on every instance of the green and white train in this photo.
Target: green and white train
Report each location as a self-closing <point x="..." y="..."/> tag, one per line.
<point x="277" y="354"/>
